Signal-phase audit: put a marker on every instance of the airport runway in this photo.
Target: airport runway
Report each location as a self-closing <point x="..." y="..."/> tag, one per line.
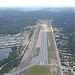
<point x="43" y="54"/>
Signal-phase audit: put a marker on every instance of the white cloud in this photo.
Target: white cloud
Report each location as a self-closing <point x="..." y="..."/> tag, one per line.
<point x="37" y="3"/>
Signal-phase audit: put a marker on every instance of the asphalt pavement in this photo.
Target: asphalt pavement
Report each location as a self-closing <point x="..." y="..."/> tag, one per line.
<point x="43" y="54"/>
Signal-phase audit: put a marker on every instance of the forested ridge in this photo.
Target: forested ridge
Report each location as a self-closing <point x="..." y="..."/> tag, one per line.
<point x="12" y="21"/>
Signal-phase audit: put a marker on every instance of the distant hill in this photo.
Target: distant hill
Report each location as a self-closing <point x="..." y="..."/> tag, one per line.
<point x="14" y="19"/>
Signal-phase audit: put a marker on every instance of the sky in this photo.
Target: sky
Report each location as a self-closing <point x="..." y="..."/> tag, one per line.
<point x="8" y="3"/>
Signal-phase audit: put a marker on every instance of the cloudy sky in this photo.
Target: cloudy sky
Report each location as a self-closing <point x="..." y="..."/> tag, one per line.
<point x="4" y="3"/>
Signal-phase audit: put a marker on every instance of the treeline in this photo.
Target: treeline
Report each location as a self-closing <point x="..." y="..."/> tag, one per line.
<point x="11" y="21"/>
<point x="12" y="61"/>
<point x="71" y="45"/>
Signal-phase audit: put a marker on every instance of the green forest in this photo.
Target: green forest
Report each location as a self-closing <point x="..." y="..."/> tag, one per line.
<point x="12" y="21"/>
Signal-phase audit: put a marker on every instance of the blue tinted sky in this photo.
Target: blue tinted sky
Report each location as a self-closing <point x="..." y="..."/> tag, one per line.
<point x="4" y="3"/>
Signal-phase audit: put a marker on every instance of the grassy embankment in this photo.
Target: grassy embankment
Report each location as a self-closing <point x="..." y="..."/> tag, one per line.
<point x="38" y="70"/>
<point x="54" y="70"/>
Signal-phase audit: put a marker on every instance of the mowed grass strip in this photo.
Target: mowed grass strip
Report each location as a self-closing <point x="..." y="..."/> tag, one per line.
<point x="51" y="40"/>
<point x="39" y="70"/>
<point x="51" y="49"/>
